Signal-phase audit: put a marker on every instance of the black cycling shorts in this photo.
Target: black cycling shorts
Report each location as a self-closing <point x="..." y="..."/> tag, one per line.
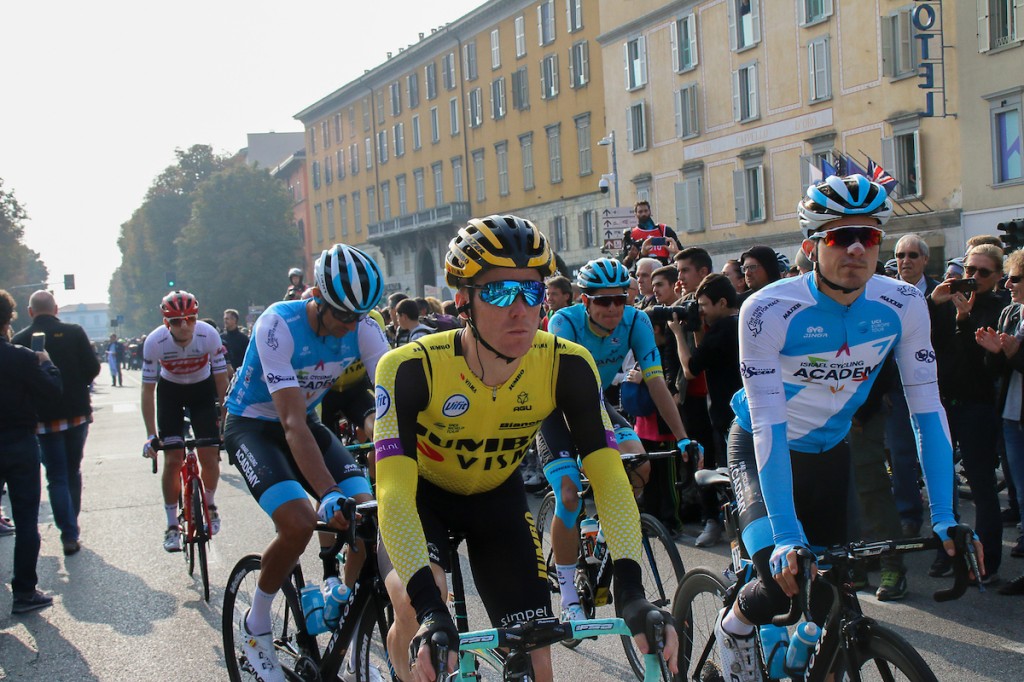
<point x="554" y="441"/>
<point x="172" y="399"/>
<point x="821" y="496"/>
<point x="504" y="551"/>
<point x="259" y="450"/>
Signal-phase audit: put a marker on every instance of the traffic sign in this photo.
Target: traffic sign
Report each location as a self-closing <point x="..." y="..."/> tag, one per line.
<point x="613" y="221"/>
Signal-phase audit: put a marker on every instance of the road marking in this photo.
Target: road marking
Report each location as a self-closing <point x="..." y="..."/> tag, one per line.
<point x="1015" y="648"/>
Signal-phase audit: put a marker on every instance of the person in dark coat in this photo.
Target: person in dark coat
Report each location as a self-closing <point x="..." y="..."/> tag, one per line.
<point x="64" y="423"/>
<point x="29" y="379"/>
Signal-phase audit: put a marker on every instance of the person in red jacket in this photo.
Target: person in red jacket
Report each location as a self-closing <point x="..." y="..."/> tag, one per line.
<point x="647" y="238"/>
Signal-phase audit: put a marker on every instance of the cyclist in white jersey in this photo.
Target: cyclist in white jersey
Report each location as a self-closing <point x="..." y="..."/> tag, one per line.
<point x="297" y="351"/>
<point x="809" y="352"/>
<point x="183" y="367"/>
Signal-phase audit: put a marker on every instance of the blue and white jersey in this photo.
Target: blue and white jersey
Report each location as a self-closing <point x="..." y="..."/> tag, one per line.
<point x="808" y="363"/>
<point x="634" y="333"/>
<point x="285" y="351"/>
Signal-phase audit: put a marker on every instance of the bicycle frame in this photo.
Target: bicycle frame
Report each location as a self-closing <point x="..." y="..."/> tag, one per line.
<point x="190" y="472"/>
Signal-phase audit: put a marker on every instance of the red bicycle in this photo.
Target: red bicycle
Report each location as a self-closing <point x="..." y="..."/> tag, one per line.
<point x="193" y="512"/>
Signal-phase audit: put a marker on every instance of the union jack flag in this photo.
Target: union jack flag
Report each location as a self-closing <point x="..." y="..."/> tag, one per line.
<point x="881" y="176"/>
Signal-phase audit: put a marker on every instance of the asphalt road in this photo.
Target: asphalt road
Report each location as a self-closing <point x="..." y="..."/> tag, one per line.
<point x="126" y="610"/>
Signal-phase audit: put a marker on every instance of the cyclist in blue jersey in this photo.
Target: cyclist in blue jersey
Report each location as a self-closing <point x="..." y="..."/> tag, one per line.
<point x="610" y="330"/>
<point x="809" y="350"/>
<point x="297" y="351"/>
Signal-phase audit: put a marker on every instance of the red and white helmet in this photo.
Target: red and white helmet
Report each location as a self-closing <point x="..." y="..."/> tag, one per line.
<point x="179" y="304"/>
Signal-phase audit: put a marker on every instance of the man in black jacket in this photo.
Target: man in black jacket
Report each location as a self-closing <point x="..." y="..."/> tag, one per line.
<point x="63" y="423"/>
<point x="716" y="353"/>
<point x="28" y="380"/>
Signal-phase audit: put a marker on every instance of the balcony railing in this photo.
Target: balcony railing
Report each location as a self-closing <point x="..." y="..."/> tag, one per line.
<point x="447" y="214"/>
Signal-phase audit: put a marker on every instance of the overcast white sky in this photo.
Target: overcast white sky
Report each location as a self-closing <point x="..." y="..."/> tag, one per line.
<point x="97" y="96"/>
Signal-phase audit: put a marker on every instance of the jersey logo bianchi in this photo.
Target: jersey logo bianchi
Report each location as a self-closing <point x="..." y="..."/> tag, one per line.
<point x="455" y="405"/>
<point x="383" y="399"/>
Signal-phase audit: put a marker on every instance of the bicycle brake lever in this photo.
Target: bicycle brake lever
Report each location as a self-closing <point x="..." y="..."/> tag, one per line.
<point x="349" y="510"/>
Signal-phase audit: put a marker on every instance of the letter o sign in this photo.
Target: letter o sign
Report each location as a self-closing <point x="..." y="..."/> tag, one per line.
<point x="923" y="17"/>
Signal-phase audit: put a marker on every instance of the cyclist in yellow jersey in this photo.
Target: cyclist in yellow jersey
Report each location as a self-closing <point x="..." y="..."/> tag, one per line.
<point x="455" y="414"/>
<point x="351" y="397"/>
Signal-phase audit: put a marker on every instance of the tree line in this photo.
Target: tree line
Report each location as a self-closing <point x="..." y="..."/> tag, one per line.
<point x="20" y="266"/>
<point x="221" y="229"/>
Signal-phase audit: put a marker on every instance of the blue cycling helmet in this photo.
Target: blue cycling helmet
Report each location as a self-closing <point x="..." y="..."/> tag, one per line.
<point x="348" y="279"/>
<point x="835" y="197"/>
<point x="603" y="273"/>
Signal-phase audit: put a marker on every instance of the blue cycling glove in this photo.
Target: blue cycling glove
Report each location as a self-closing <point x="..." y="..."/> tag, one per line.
<point x="685" y="443"/>
<point x="778" y="562"/>
<point x="330" y="505"/>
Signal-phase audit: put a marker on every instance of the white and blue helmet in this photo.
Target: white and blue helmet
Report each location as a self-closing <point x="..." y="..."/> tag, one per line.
<point x="348" y="279"/>
<point x="603" y="273"/>
<point x="835" y="197"/>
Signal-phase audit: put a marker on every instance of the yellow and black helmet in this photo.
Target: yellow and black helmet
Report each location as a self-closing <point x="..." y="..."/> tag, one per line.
<point x="497" y="241"/>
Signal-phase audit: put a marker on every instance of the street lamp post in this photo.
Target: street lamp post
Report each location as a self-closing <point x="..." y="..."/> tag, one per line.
<point x="609" y="139"/>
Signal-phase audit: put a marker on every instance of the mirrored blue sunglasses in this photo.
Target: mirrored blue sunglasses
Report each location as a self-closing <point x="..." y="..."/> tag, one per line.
<point x="503" y="293"/>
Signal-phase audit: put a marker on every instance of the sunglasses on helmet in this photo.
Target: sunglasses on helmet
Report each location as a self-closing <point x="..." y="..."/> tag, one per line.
<point x="178" y="321"/>
<point x="503" y="293"/>
<point x="845" y="236"/>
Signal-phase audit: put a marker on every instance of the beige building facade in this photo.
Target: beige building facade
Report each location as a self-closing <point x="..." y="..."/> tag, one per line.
<point x="499" y="111"/>
<point x="990" y="110"/>
<point x="719" y="105"/>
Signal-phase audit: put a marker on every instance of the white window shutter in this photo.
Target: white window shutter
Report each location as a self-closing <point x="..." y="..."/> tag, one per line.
<point x="739" y="192"/>
<point x="1018" y="16"/>
<point x="629" y="128"/>
<point x="694" y="119"/>
<point x="543" y="82"/>
<point x="568" y="15"/>
<point x="572" y="68"/>
<point x="918" y="164"/>
<point x="625" y="59"/>
<point x="805" y="170"/>
<point x="761" y="198"/>
<point x="540" y="24"/>
<point x="888" y="57"/>
<point x="642" y="50"/>
<point x="692" y="26"/>
<point x="803" y="11"/>
<point x="828" y="8"/>
<point x="755" y="18"/>
<point x="584" y="64"/>
<point x="889" y="157"/>
<point x="682" y="207"/>
<point x="811" y="68"/>
<point x="737" y="110"/>
<point x="752" y="90"/>
<point x="732" y="24"/>
<point x="673" y="36"/>
<point x="554" y="74"/>
<point x="678" y="100"/>
<point x="983" y="36"/>
<point x="694" y="213"/>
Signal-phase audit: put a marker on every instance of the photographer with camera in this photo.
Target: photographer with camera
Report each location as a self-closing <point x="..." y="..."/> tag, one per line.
<point x="648" y="239"/>
<point x="714" y="331"/>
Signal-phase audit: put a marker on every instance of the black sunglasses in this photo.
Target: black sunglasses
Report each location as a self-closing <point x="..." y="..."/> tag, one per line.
<point x="1015" y="279"/>
<point x="984" y="272"/>
<point x="607" y="300"/>
<point x="344" y="316"/>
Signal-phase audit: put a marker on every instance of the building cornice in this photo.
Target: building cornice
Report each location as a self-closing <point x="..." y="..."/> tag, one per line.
<point x="666" y="11"/>
<point x="413" y="56"/>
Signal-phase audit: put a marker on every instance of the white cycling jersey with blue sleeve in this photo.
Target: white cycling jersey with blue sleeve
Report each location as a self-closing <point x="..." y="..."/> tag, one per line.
<point x="285" y="351"/>
<point x="808" y="363"/>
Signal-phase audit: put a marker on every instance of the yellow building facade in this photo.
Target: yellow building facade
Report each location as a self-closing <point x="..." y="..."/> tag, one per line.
<point x="499" y="111"/>
<point x="720" y="105"/>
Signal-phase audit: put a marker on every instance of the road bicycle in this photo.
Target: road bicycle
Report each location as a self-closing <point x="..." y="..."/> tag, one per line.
<point x="504" y="653"/>
<point x="661" y="565"/>
<point x="852" y="645"/>
<point x="193" y="512"/>
<point x="363" y="625"/>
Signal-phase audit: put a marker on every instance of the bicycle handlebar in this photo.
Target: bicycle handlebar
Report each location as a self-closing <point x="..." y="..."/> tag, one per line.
<point x="187" y="444"/>
<point x="353" y="512"/>
<point x="964" y="562"/>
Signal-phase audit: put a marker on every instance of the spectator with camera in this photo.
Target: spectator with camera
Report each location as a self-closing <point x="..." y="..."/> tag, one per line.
<point x="1003" y="346"/>
<point x="969" y="389"/>
<point x="716" y="354"/>
<point x="648" y="239"/>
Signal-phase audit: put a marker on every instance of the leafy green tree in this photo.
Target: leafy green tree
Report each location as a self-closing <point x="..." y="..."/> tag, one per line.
<point x="239" y="242"/>
<point x="147" y="239"/>
<point x="19" y="265"/>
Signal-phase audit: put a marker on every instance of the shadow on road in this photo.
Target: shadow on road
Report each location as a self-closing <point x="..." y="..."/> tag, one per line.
<point x="55" y="659"/>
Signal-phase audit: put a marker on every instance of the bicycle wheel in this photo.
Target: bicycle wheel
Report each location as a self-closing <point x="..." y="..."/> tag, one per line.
<point x="185" y="524"/>
<point x="661" y="569"/>
<point x="296" y="650"/>
<point x="371" y="653"/>
<point x="881" y="654"/>
<point x="200" y="535"/>
<point x="695" y="608"/>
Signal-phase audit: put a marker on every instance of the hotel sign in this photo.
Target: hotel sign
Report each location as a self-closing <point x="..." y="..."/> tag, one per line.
<point x="926" y="19"/>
